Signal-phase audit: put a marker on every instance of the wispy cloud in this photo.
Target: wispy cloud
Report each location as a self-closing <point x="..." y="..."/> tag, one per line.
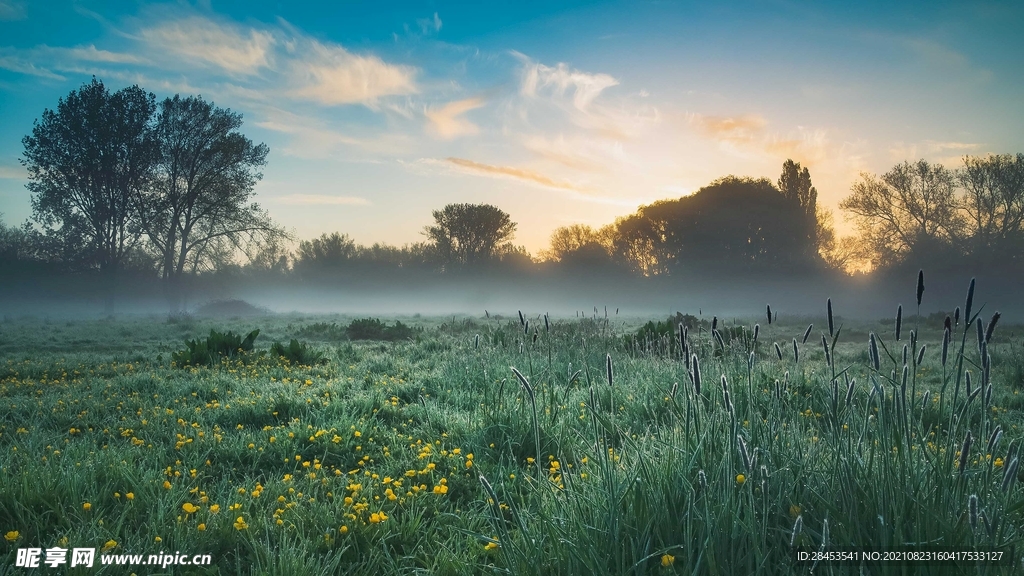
<point x="12" y="10"/>
<point x="537" y="79"/>
<point x="329" y="74"/>
<point x="232" y="48"/>
<point x="741" y="129"/>
<point x="322" y="199"/>
<point x="13" y="173"/>
<point x="14" y="63"/>
<point x="510" y="172"/>
<point x="446" y="121"/>
<point x="430" y="24"/>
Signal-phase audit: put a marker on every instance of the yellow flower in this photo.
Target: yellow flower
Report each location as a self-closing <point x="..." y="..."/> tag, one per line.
<point x="189" y="508"/>
<point x="130" y="495"/>
<point x="12" y="535"/>
<point x="167" y="485"/>
<point x="110" y="544"/>
<point x="201" y="527"/>
<point x="240" y="524"/>
<point x="158" y="539"/>
<point x="377" y="517"/>
<point x="794" y="510"/>
<point x="490" y="546"/>
<point x="215" y="508"/>
<point x="344" y="530"/>
<point x="86" y="506"/>
<point x="740" y="478"/>
<point x="667" y="560"/>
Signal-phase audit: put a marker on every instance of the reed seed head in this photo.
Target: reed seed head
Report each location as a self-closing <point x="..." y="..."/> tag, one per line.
<point x="796" y="352"/>
<point x="899" y="321"/>
<point x="778" y="351"/>
<point x="831" y="321"/>
<point x="945" y="344"/>
<point x="768" y="310"/>
<point x="993" y="440"/>
<point x="1011" y="474"/>
<point x="920" y="286"/>
<point x="970" y="301"/>
<point x="873" y="351"/>
<point x="991" y="327"/>
<point x="807" y="333"/>
<point x="696" y="375"/>
<point x="608" y="368"/>
<point x="956" y="317"/>
<point x="920" y="354"/>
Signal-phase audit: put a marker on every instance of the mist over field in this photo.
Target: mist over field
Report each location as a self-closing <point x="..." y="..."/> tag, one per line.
<point x="545" y="288"/>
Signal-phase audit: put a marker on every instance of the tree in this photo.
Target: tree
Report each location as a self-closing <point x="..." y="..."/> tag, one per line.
<point x="993" y="202"/>
<point x="731" y="224"/>
<point x="469" y="234"/>
<point x="795" y="185"/>
<point x="198" y="212"/>
<point x="87" y="162"/>
<point x="910" y="210"/>
<point x="329" y="252"/>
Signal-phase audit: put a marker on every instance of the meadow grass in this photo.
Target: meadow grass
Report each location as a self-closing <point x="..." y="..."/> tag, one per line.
<point x="595" y="455"/>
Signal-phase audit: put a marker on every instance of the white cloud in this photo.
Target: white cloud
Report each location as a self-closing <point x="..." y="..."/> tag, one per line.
<point x="428" y="24"/>
<point x="14" y="63"/>
<point x="234" y="49"/>
<point x="329" y="74"/>
<point x="91" y="54"/>
<point x="537" y="78"/>
<point x="13" y="173"/>
<point x="12" y="10"/>
<point x="446" y="121"/>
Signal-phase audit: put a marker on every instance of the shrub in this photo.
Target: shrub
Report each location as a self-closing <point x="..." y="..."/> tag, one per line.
<point x="374" y="329"/>
<point x="324" y="331"/>
<point x="296" y="353"/>
<point x="216" y="347"/>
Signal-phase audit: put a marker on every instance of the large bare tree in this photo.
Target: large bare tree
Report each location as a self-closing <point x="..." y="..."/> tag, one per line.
<point x="993" y="201"/>
<point x="909" y="209"/>
<point x="199" y="210"/>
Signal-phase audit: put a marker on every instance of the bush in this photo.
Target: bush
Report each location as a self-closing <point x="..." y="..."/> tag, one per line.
<point x="216" y="347"/>
<point x="374" y="329"/>
<point x="296" y="353"/>
<point x="324" y="331"/>
<point x="662" y="337"/>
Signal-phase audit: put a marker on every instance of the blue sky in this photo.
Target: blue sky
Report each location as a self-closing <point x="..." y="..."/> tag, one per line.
<point x="558" y="113"/>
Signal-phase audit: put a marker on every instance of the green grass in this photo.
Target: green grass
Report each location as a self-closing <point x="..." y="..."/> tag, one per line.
<point x="91" y="411"/>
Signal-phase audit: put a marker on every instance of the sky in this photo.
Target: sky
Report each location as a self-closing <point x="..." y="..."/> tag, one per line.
<point x="378" y="113"/>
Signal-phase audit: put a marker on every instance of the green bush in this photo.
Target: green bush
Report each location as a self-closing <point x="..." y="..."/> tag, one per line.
<point x="296" y="353"/>
<point x="216" y="347"/>
<point x="374" y="329"/>
<point x="324" y="331"/>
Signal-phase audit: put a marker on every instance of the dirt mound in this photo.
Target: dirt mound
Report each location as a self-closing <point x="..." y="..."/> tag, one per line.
<point x="230" y="308"/>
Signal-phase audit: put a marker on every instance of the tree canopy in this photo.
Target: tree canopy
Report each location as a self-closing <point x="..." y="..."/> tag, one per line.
<point x="469" y="234"/>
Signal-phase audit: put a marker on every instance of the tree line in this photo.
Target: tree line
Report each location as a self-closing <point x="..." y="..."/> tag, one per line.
<point x="122" y="184"/>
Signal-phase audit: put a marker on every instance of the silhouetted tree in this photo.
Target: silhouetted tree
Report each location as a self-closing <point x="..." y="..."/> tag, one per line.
<point x="469" y="234"/>
<point x="87" y="162"/>
<point x="993" y="202"/>
<point x="198" y="212"/>
<point x="911" y="209"/>
<point x="795" y="185"/>
<point x="729" y="225"/>
<point x="326" y="253"/>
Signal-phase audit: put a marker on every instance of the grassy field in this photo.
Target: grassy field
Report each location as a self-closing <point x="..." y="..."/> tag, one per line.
<point x="431" y="455"/>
